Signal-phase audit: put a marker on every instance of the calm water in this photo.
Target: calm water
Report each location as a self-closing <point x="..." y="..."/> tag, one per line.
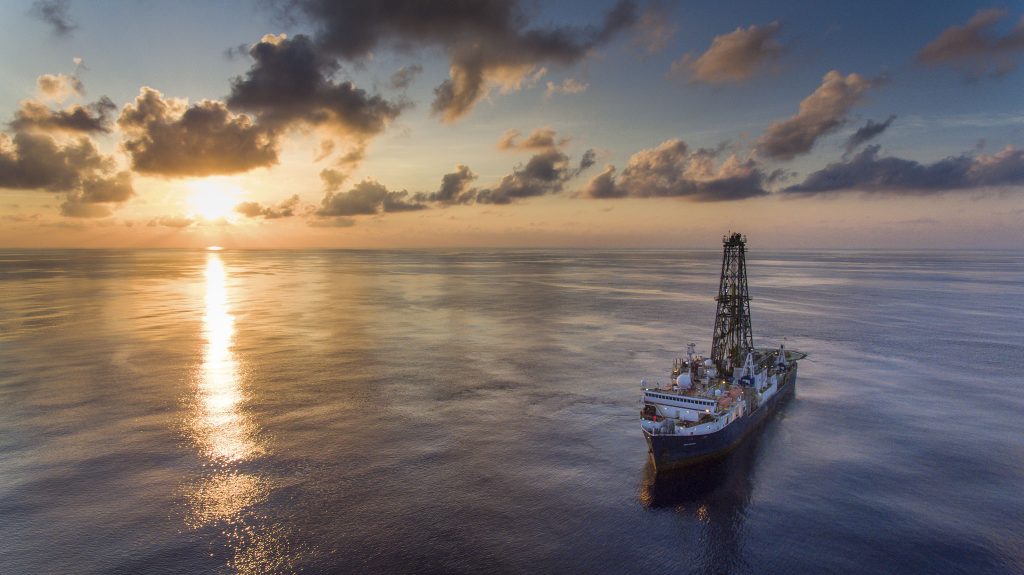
<point x="393" y="412"/>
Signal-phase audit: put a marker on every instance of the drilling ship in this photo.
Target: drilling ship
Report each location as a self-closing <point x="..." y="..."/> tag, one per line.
<point x="710" y="404"/>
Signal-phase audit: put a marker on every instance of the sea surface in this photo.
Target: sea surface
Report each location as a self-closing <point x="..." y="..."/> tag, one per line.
<point x="477" y="412"/>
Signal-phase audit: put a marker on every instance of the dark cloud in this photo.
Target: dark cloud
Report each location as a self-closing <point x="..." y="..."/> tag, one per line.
<point x="489" y="42"/>
<point x="976" y="48"/>
<point x="404" y="76"/>
<point x="89" y="179"/>
<point x="867" y="172"/>
<point x="54" y="13"/>
<point x="587" y="161"/>
<point x="168" y="137"/>
<point x="96" y="194"/>
<point x="290" y="82"/>
<point x="732" y="57"/>
<point x="673" y="170"/>
<point x="285" y="209"/>
<point x="545" y="173"/>
<point x="91" y="118"/>
<point x="866" y="133"/>
<point x="455" y="188"/>
<point x="822" y="112"/>
<point x="367" y="198"/>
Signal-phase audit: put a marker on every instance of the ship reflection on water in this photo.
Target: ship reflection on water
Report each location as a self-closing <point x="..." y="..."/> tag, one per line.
<point x="716" y="495"/>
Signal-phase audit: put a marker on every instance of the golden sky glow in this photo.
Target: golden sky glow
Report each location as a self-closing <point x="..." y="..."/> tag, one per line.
<point x="647" y="128"/>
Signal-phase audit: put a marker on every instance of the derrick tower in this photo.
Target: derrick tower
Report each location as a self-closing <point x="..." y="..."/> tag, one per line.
<point x="732" y="337"/>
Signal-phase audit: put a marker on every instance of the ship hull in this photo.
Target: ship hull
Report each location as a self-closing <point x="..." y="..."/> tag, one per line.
<point x="674" y="451"/>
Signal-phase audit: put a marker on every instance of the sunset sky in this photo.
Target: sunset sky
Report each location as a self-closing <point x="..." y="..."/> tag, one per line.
<point x="397" y="123"/>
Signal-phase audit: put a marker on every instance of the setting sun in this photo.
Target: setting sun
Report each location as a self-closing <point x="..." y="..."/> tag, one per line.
<point x="213" y="199"/>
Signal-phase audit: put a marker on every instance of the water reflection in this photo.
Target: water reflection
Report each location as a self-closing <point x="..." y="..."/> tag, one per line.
<point x="223" y="430"/>
<point x="226" y="436"/>
<point x="716" y="495"/>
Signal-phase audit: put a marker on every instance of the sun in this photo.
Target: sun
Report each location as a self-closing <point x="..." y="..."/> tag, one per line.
<point x="213" y="199"/>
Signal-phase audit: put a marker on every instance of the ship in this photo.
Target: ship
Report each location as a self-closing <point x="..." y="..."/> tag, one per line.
<point x="711" y="404"/>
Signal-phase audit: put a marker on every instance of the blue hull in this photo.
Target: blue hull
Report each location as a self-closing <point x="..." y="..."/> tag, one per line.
<point x="670" y="451"/>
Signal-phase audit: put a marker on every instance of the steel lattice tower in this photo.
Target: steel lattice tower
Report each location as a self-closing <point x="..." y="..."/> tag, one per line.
<point x="732" y="320"/>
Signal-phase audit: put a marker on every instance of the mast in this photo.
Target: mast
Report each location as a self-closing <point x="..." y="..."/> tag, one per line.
<point x="732" y="339"/>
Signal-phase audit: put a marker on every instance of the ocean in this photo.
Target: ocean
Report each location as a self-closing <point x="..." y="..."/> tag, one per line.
<point x="476" y="411"/>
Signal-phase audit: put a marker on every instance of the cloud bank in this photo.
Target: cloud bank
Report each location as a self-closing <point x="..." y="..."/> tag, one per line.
<point x="869" y="172"/>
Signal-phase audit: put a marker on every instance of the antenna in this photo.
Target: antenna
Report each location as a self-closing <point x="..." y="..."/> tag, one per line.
<point x="733" y="338"/>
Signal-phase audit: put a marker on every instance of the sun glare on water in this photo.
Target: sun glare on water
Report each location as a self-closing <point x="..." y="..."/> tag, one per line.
<point x="213" y="199"/>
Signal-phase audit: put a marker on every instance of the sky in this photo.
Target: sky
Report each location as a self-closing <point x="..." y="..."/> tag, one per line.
<point x="483" y="123"/>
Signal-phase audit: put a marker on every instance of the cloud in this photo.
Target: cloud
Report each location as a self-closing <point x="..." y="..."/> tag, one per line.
<point x="404" y="76"/>
<point x="489" y="43"/>
<point x="285" y="209"/>
<point x="673" y="170"/>
<point x="368" y="197"/>
<point x="653" y="30"/>
<point x="455" y="188"/>
<point x="867" y="172"/>
<point x="976" y="49"/>
<point x="96" y="194"/>
<point x="168" y="137"/>
<point x="822" y="112"/>
<point x="568" y="86"/>
<point x="732" y="57"/>
<point x="333" y="179"/>
<point x="89" y="180"/>
<point x="867" y="132"/>
<point x="57" y="87"/>
<point x="539" y="139"/>
<point x="289" y="82"/>
<point x="545" y="173"/>
<point x="171" y="222"/>
<point x="54" y="13"/>
<point x="91" y="118"/>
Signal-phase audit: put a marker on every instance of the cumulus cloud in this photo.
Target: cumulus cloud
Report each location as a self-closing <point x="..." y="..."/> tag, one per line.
<point x="822" y="112"/>
<point x="673" y="170"/>
<point x="732" y="57"/>
<point x="285" y="209"/>
<point x="55" y="13"/>
<point x="976" y="48"/>
<point x="333" y="179"/>
<point x="89" y="180"/>
<point x="368" y="197"/>
<point x="168" y="137"/>
<point x="455" y="188"/>
<point x="567" y="86"/>
<point x="488" y="43"/>
<point x="91" y="118"/>
<point x="57" y="87"/>
<point x="545" y="173"/>
<point x="866" y="133"/>
<point x="868" y="172"/>
<point x="290" y="82"/>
